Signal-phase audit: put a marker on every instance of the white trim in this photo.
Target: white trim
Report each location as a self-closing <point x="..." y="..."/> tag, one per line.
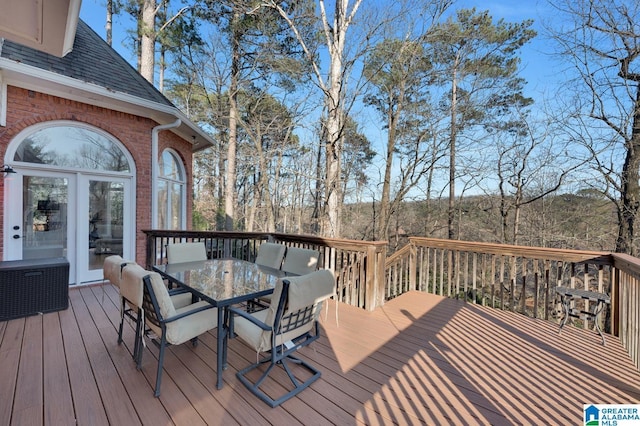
<point x="73" y="16"/>
<point x="3" y="101"/>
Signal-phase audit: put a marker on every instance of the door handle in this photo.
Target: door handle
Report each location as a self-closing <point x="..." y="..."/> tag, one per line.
<point x="16" y="236"/>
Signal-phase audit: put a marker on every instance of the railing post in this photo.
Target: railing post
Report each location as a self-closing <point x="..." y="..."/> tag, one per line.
<point x="413" y="267"/>
<point x="375" y="275"/>
<point x="150" y="252"/>
<point x="615" y="302"/>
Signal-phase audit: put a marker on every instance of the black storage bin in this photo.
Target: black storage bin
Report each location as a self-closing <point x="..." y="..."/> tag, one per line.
<point x="29" y="287"/>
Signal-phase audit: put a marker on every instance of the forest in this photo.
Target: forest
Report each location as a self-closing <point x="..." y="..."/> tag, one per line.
<point x="382" y="120"/>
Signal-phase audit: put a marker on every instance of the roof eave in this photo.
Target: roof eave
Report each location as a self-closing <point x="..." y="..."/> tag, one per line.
<point x="47" y="26"/>
<point x="32" y="78"/>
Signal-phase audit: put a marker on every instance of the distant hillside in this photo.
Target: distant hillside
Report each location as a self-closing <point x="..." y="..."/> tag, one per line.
<point x="568" y="221"/>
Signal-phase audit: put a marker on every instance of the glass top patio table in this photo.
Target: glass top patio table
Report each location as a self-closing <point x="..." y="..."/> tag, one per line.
<point x="222" y="282"/>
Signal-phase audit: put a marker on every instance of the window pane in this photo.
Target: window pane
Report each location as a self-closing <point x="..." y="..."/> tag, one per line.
<point x="169" y="166"/>
<point x="45" y="220"/>
<point x="162" y="204"/>
<point x="176" y="198"/>
<point x="72" y="147"/>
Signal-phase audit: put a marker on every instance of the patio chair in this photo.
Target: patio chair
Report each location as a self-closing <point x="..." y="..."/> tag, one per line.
<point x="270" y="255"/>
<point x="297" y="261"/>
<point x="282" y="329"/>
<point x="172" y="324"/>
<point x="300" y="261"/>
<point x="186" y="252"/>
<point x="131" y="291"/>
<point x="112" y="271"/>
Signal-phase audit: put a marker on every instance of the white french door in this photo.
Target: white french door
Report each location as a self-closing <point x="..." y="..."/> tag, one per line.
<point x="78" y="216"/>
<point x="105" y="224"/>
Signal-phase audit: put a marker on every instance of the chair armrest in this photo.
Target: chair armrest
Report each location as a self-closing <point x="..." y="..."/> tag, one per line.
<point x="249" y="317"/>
<point x="186" y="314"/>
<point x="179" y="290"/>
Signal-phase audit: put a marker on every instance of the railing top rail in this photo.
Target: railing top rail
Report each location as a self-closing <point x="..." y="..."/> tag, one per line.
<point x="398" y="255"/>
<point x="344" y="244"/>
<point x="215" y="234"/>
<point x="627" y="263"/>
<point x="566" y="255"/>
<point x="332" y="242"/>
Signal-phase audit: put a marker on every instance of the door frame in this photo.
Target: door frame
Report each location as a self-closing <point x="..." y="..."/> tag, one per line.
<point x="86" y="274"/>
<point x="78" y="201"/>
<point x="14" y="214"/>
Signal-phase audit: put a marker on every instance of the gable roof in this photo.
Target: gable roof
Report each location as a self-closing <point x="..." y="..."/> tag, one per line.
<point x="95" y="68"/>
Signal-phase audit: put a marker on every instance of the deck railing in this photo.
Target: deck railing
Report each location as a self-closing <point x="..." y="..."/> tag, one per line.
<point x="521" y="279"/>
<point x="358" y="265"/>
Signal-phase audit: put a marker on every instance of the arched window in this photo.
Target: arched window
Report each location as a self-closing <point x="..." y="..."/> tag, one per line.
<point x="72" y="147"/>
<point x="171" y="192"/>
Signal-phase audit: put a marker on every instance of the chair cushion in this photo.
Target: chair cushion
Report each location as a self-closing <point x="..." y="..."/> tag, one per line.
<point x="181" y="299"/>
<point x="251" y="333"/>
<point x="270" y="255"/>
<point x="300" y="261"/>
<point x="111" y="269"/>
<point x="131" y="284"/>
<point x="193" y="325"/>
<point x="167" y="310"/>
<point x="186" y="328"/>
<point x="186" y="252"/>
<point x="309" y="289"/>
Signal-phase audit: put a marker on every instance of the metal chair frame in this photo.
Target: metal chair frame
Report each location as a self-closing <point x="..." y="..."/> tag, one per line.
<point x="283" y="354"/>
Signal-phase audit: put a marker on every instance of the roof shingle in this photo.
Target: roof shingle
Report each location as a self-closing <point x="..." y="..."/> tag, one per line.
<point x="92" y="60"/>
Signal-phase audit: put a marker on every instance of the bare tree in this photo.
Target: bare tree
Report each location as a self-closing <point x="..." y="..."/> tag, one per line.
<point x="529" y="168"/>
<point x="602" y="42"/>
<point x="334" y="27"/>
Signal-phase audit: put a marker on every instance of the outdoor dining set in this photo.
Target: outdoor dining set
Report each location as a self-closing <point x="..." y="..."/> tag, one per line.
<point x="272" y="304"/>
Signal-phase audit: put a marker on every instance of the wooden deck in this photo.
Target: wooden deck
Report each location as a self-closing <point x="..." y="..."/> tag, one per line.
<point x="419" y="360"/>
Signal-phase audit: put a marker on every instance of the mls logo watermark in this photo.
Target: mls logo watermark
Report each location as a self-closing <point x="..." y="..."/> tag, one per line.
<point x="611" y="414"/>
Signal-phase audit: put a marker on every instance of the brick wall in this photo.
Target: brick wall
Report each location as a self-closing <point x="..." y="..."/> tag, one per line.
<point x="26" y="108"/>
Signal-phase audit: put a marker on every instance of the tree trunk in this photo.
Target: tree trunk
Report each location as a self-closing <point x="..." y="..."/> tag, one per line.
<point x="385" y="200"/>
<point x="630" y="194"/>
<point x="335" y="124"/>
<point x="109" y="24"/>
<point x="318" y="196"/>
<point x="452" y="159"/>
<point x="161" y="70"/>
<point x="335" y="32"/>
<point x="148" y="41"/>
<point x="230" y="187"/>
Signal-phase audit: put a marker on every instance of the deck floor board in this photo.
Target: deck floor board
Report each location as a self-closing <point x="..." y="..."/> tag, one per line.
<point x="420" y="359"/>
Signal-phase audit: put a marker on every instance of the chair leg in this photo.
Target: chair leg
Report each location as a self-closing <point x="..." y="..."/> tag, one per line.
<point x="121" y="320"/>
<point x="137" y="347"/>
<point x="297" y="385"/>
<point x="163" y="344"/>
